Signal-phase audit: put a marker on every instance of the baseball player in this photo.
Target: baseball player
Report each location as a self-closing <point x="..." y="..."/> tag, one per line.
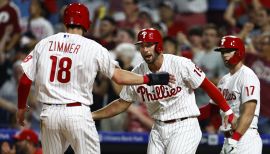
<point x="176" y="129"/>
<point x="241" y="89"/>
<point x="64" y="67"/>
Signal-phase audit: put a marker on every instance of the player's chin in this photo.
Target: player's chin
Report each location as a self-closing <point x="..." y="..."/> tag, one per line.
<point x="227" y="64"/>
<point x="148" y="59"/>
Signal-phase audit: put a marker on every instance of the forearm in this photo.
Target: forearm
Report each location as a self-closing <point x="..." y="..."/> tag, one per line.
<point x="244" y="122"/>
<point x="112" y="109"/>
<point x="116" y="87"/>
<point x="9" y="106"/>
<point x="228" y="15"/>
<point x="246" y="117"/>
<point x="124" y="77"/>
<point x="215" y="95"/>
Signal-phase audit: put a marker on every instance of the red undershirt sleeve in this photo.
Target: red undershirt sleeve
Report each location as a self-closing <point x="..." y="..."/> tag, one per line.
<point x="215" y="95"/>
<point x="23" y="91"/>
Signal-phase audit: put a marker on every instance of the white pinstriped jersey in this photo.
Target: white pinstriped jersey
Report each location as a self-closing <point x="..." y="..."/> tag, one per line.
<point x="239" y="88"/>
<point x="164" y="102"/>
<point x="64" y="67"/>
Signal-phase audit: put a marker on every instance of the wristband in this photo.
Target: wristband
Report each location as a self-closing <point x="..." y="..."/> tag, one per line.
<point x="146" y="79"/>
<point x="236" y="136"/>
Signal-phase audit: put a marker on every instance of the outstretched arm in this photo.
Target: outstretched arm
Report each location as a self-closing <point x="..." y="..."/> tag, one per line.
<point x="217" y="97"/>
<point x="112" y="109"/>
<point x="124" y="77"/>
<point x="229" y="13"/>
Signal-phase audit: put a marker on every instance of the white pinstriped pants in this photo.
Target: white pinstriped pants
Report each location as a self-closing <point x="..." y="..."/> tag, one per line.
<point x="250" y="143"/>
<point x="182" y="137"/>
<point x="62" y="126"/>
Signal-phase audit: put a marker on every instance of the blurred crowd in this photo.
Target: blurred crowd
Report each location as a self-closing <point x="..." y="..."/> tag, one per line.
<point x="189" y="28"/>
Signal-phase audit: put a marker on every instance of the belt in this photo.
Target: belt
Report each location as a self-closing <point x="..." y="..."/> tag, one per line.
<point x="228" y="134"/>
<point x="175" y="120"/>
<point x="67" y="105"/>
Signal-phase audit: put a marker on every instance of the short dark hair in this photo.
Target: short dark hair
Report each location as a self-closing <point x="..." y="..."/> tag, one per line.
<point x="170" y="39"/>
<point x="130" y="32"/>
<point x="109" y="19"/>
<point x="212" y="26"/>
<point x="73" y="26"/>
<point x="196" y="30"/>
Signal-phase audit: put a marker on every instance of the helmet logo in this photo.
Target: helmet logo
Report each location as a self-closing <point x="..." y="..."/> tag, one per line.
<point x="151" y="36"/>
<point x="222" y="41"/>
<point x="232" y="43"/>
<point x="144" y="34"/>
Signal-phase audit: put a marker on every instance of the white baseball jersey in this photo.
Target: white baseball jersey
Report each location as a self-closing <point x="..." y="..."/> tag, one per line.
<point x="167" y="103"/>
<point x="64" y="67"/>
<point x="164" y="102"/>
<point x="239" y="88"/>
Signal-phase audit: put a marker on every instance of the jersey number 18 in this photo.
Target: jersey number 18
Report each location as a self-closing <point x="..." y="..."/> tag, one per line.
<point x="63" y="73"/>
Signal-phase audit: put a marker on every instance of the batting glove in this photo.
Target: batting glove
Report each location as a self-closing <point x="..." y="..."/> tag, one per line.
<point x="160" y="78"/>
<point x="231" y="147"/>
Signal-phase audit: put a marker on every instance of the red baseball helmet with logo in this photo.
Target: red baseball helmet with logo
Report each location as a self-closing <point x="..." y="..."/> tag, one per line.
<point x="77" y="14"/>
<point x="151" y="35"/>
<point x="231" y="43"/>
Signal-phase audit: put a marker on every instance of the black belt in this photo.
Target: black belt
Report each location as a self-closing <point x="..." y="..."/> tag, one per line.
<point x="68" y="105"/>
<point x="174" y="120"/>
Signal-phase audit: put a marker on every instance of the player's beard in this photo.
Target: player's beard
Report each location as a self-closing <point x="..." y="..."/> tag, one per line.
<point x="152" y="59"/>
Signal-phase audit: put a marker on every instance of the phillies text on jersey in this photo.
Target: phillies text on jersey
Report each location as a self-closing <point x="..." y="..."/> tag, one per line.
<point x="165" y="102"/>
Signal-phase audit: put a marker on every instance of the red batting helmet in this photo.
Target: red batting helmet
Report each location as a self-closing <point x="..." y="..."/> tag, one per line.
<point x="77" y="14"/>
<point x="231" y="43"/>
<point x="151" y="35"/>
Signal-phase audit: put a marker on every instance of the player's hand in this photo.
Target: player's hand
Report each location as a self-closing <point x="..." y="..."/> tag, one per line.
<point x="231" y="146"/>
<point x="230" y="119"/>
<point x="20" y="116"/>
<point x="160" y="78"/>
